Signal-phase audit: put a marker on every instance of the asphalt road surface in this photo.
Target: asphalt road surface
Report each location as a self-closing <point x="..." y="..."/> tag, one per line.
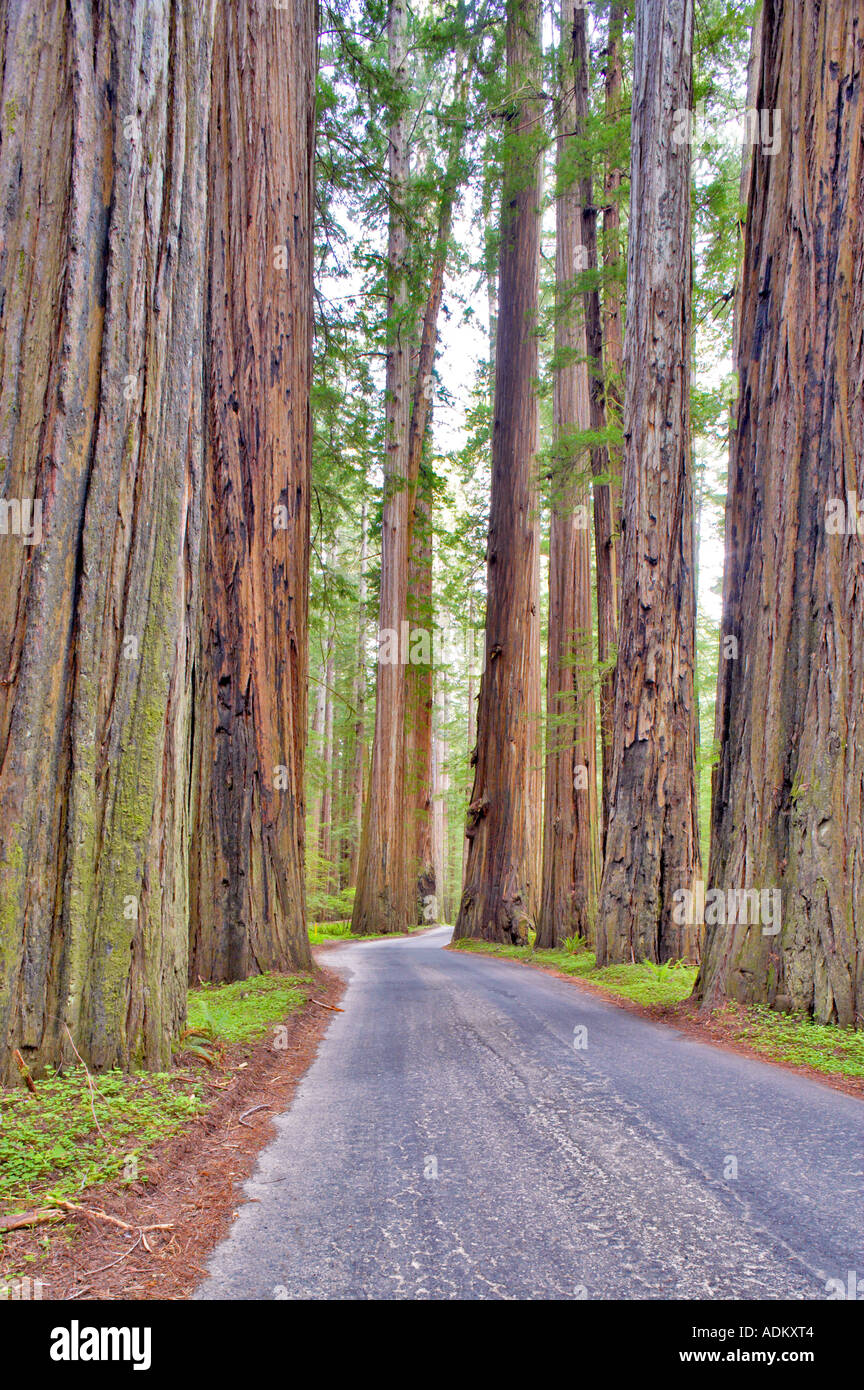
<point x="473" y="1129"/>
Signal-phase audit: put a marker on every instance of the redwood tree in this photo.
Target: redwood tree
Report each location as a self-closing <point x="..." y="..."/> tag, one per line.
<point x="102" y="256"/>
<point x="652" y="845"/>
<point x="605" y="549"/>
<point x="570" y="845"/>
<point x="248" y="906"/>
<point x="382" y="902"/>
<point x="501" y="890"/>
<point x="787" y="805"/>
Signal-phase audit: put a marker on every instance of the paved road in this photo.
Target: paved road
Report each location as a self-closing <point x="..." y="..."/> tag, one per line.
<point x="451" y="1142"/>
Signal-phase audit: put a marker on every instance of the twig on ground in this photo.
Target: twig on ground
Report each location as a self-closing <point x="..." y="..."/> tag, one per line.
<point x="242" y="1119"/>
<point x="115" y="1220"/>
<point x="102" y="1268"/>
<point x="332" y="1007"/>
<point x="89" y="1082"/>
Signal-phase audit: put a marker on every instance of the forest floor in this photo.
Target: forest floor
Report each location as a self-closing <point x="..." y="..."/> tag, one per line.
<point x="822" y="1052"/>
<point x="147" y="1236"/>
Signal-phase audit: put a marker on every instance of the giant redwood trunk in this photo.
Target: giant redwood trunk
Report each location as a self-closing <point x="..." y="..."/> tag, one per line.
<point x="382" y="902"/>
<point x="787" y="806"/>
<point x="652" y="846"/>
<point x="570" y="844"/>
<point x="248" y="909"/>
<point x="501" y="891"/>
<point x="103" y="142"/>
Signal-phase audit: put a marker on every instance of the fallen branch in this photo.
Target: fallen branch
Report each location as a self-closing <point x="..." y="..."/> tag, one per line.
<point x="332" y="1007"/>
<point x="25" y="1071"/>
<point x="30" y="1218"/>
<point x="114" y="1220"/>
<point x="242" y="1119"/>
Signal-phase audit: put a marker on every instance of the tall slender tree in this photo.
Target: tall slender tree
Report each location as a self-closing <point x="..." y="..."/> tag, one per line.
<point x="570" y="844"/>
<point x="102" y="254"/>
<point x="247" y="905"/>
<point x="787" y="805"/>
<point x="500" y="897"/>
<point x="605" y="549"/>
<point x="652" y="841"/>
<point x="382" y="902"/>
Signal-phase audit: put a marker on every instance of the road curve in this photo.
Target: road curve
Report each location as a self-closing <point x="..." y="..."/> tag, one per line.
<point x="450" y="1141"/>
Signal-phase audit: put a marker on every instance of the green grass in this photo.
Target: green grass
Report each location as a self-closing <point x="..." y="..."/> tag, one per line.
<point x="797" y="1039"/>
<point x="341" y="931"/>
<point x="50" y="1145"/>
<point x="243" y="1011"/>
<point x="646" y="984"/>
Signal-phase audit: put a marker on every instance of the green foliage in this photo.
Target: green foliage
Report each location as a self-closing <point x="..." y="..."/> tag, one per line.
<point x="797" y="1040"/>
<point x="243" y="1010"/>
<point x="51" y="1146"/>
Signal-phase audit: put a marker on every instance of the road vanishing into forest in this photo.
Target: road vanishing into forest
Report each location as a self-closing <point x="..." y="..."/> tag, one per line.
<point x="450" y="1141"/>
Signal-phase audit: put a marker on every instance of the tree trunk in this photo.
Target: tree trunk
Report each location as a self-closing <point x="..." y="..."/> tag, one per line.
<point x="102" y="244"/>
<point x="418" y="714"/>
<point x="787" y="806"/>
<point x="247" y="911"/>
<point x="612" y="339"/>
<point x="652" y="843"/>
<point x="501" y="892"/>
<point x="359" y="747"/>
<point x="382" y="900"/>
<point x="570" y="846"/>
<point x="604" y="520"/>
<point x="325" y="837"/>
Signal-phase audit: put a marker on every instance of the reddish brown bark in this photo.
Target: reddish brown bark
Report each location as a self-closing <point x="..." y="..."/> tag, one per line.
<point x="501" y="891"/>
<point x="652" y="844"/>
<point x="382" y="902"/>
<point x="103" y="139"/>
<point x="247" y="911"/>
<point x="787" y="806"/>
<point x="570" y="845"/>
<point x="604" y="520"/>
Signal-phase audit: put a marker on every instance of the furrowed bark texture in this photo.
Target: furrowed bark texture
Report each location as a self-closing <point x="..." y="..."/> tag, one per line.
<point x="613" y="350"/>
<point x="358" y="750"/>
<point x="501" y="892"/>
<point x="102" y="237"/>
<point x="248" y="906"/>
<point x="382" y="902"/>
<point x="787" y="806"/>
<point x="419" y="764"/>
<point x="652" y="845"/>
<point x="570" y="844"/>
<point x="605" y="549"/>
